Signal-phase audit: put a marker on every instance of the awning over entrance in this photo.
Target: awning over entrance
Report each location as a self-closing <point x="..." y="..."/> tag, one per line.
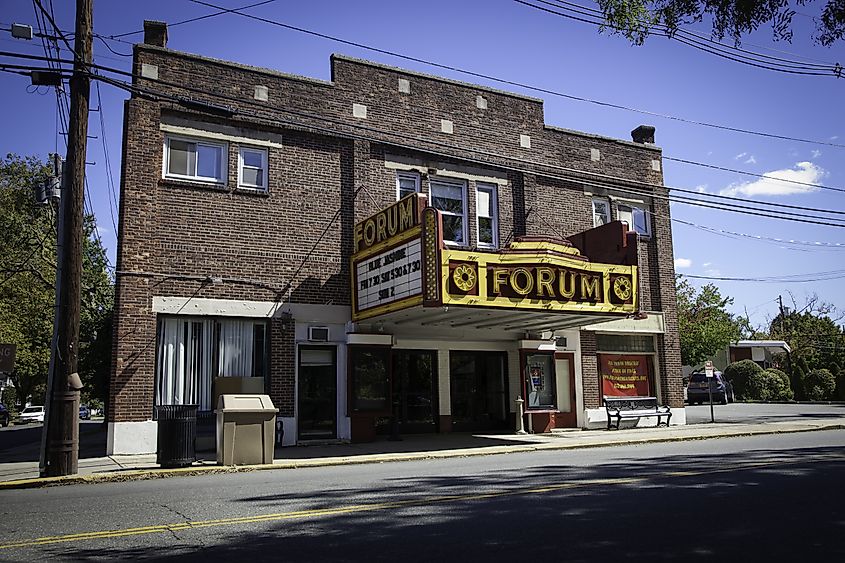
<point x="404" y="273"/>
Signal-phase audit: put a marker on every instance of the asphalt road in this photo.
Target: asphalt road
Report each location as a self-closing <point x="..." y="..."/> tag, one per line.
<point x="775" y="498"/>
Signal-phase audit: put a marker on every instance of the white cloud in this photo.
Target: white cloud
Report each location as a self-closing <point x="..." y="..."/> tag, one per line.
<point x="741" y="155"/>
<point x="834" y="137"/>
<point x="707" y="264"/>
<point x="772" y="183"/>
<point x="701" y="188"/>
<point x="712" y="272"/>
<point x="751" y="160"/>
<point x="682" y="263"/>
<point x="816" y="153"/>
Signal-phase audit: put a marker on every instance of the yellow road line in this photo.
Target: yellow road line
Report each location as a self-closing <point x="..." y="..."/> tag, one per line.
<point x="334" y="511"/>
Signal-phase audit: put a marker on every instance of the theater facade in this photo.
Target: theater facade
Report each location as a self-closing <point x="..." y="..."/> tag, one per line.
<point x="386" y="247"/>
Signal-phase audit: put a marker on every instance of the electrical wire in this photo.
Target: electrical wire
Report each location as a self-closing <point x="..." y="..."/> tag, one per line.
<point x="691" y="39"/>
<point x="518" y="84"/>
<point x="191" y="20"/>
<point x="827" y="221"/>
<point x="109" y="174"/>
<point x="678" y="198"/>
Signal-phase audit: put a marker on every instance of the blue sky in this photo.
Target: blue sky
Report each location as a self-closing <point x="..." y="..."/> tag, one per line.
<point x="511" y="41"/>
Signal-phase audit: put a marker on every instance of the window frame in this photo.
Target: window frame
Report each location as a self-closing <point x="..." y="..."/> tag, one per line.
<point x="494" y="210"/>
<point x="607" y="216"/>
<point x="408" y="175"/>
<point x="465" y="206"/>
<point x="265" y="161"/>
<point x="631" y="206"/>
<point x="221" y="146"/>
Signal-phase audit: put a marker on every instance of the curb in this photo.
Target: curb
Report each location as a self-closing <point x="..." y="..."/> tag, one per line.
<point x="150" y="474"/>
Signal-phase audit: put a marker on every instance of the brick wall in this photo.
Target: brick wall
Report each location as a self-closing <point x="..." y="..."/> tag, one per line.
<point x="294" y="241"/>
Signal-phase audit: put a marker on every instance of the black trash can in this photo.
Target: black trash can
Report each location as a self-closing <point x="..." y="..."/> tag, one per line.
<point x="177" y="434"/>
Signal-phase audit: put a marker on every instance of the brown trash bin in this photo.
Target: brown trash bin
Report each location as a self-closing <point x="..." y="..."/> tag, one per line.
<point x="245" y="429"/>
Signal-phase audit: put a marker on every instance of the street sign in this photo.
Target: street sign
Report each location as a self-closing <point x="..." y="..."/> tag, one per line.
<point x="708" y="368"/>
<point x="7" y="357"/>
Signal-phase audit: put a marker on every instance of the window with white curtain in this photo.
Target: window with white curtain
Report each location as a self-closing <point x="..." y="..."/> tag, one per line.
<point x="449" y="197"/>
<point x="193" y="351"/>
<point x="487" y="215"/>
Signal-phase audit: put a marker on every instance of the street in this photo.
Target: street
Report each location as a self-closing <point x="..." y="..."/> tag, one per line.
<point x="773" y="497"/>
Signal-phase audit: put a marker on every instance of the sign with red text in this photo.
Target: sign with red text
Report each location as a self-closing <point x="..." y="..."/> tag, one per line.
<point x="625" y="375"/>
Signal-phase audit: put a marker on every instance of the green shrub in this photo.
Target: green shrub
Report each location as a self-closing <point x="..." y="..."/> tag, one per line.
<point x="768" y="385"/>
<point x="740" y="374"/>
<point x="779" y="386"/>
<point x="818" y="385"/>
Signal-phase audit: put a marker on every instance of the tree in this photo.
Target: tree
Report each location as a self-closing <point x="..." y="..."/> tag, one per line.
<point x="27" y="276"/>
<point x="733" y="18"/>
<point x="704" y="324"/>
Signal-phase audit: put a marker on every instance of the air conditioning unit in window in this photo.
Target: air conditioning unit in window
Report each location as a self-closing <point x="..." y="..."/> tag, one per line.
<point x="318" y="333"/>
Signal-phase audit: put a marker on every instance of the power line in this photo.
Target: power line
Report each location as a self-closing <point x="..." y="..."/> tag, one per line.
<point x="679" y="199"/>
<point x="811" y="245"/>
<point x="754" y="174"/>
<point x="578" y="174"/>
<point x="692" y="39"/>
<point x="823" y="276"/>
<point x="679" y="160"/>
<point x="518" y="84"/>
<point x="191" y="20"/>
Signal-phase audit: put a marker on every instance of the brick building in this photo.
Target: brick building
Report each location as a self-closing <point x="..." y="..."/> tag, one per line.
<point x="388" y="243"/>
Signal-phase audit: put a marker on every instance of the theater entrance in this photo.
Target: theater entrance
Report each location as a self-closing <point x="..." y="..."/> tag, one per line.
<point x="479" y="391"/>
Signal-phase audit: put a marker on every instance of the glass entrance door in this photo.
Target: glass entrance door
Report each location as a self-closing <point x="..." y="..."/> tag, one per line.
<point x="317" y="404"/>
<point x="479" y="389"/>
<point x="415" y="390"/>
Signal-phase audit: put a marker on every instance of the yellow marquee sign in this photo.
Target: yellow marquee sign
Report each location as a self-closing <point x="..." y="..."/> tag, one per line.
<point x="400" y="261"/>
<point x="538" y="278"/>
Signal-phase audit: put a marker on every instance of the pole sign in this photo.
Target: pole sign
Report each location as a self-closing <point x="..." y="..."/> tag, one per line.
<point x="708" y="369"/>
<point x="7" y="357"/>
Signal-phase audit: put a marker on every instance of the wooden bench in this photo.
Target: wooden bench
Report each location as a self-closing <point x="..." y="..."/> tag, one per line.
<point x="634" y="407"/>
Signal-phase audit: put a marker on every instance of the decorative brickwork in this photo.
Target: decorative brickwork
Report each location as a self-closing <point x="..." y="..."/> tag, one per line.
<point x="327" y="170"/>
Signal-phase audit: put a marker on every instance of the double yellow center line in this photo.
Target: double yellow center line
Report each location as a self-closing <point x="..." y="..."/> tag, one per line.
<point x="392" y="505"/>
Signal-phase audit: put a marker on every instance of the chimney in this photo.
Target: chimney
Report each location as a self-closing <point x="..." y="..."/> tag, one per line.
<point x="643" y="134"/>
<point x="155" y="33"/>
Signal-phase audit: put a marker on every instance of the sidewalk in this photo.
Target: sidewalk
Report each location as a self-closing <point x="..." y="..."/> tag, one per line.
<point x="24" y="474"/>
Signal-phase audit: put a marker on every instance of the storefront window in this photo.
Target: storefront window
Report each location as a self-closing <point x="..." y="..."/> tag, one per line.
<point x="192" y="351"/>
<point x="626" y="375"/>
<point x="370" y="379"/>
<point x="539" y="381"/>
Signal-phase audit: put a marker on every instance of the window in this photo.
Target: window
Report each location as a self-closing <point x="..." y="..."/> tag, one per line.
<point x="450" y="199"/>
<point x="369" y="379"/>
<point x="539" y="381"/>
<point x="407" y="183"/>
<point x="636" y="217"/>
<point x="195" y="160"/>
<point x="252" y="168"/>
<point x="486" y="211"/>
<point x="192" y="351"/>
<point x="601" y="212"/>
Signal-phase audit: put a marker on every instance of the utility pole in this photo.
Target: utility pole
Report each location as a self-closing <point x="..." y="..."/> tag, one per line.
<point x="62" y="450"/>
<point x="788" y="352"/>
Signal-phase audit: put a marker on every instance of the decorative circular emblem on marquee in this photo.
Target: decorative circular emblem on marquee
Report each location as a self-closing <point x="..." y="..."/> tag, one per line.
<point x="464" y="277"/>
<point x="622" y="288"/>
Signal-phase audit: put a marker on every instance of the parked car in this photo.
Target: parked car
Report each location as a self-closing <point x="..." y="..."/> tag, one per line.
<point x="4" y="415"/>
<point x="31" y="414"/>
<point x="723" y="391"/>
<point x="84" y="412"/>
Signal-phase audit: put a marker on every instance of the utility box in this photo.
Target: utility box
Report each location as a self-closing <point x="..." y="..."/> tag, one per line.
<point x="245" y="429"/>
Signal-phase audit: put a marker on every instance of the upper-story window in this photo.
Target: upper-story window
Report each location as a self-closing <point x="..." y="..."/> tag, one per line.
<point x="486" y="211"/>
<point x="449" y="197"/>
<point x="252" y="168"/>
<point x="192" y="159"/>
<point x="407" y="183"/>
<point x="637" y="218"/>
<point x="601" y="211"/>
